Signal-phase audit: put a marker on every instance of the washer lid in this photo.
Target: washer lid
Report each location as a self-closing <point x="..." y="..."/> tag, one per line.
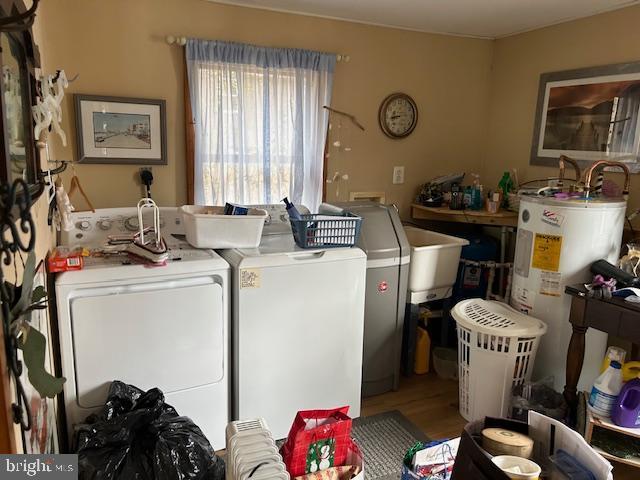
<point x="181" y="261"/>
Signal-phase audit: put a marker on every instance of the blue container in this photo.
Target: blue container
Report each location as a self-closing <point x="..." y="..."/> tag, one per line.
<point x="472" y="282"/>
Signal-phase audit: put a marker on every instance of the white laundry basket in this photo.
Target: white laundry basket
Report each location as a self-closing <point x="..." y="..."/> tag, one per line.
<point x="496" y="349"/>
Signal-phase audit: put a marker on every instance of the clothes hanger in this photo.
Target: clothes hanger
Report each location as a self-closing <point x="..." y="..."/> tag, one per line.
<point x="75" y="185"/>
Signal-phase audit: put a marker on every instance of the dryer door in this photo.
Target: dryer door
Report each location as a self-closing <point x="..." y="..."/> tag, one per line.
<point x="167" y="334"/>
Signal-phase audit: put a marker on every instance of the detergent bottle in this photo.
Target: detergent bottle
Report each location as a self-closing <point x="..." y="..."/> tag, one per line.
<point x="614" y="353"/>
<point x="626" y="410"/>
<point x="630" y="370"/>
<point x="606" y="389"/>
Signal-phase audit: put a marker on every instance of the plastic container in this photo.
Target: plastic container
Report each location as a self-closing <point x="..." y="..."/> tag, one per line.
<point x="626" y="411"/>
<point x="209" y="227"/>
<point x="630" y="370"/>
<point x="565" y="467"/>
<point x="613" y="353"/>
<point x="326" y="231"/>
<point x="518" y="468"/>
<point x="605" y="390"/>
<point x="423" y="351"/>
<point x="496" y="351"/>
<point x="445" y="363"/>
<point x="434" y="259"/>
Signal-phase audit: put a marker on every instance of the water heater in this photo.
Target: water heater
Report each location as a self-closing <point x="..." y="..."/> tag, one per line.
<point x="557" y="241"/>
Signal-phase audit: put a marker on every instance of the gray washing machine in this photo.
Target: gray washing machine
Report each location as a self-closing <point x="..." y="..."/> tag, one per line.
<point x="383" y="240"/>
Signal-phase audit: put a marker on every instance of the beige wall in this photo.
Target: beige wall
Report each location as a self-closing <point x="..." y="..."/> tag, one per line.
<point x="118" y="48"/>
<point x="518" y="62"/>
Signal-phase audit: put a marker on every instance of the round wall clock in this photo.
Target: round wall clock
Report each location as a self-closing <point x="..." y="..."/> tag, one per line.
<point x="398" y="115"/>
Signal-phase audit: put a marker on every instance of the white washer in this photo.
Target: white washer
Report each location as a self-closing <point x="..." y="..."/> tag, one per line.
<point x="298" y="321"/>
<point x="165" y="327"/>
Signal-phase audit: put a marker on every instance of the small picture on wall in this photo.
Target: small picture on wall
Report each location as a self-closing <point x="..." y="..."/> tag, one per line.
<point x="588" y="114"/>
<point x="120" y="130"/>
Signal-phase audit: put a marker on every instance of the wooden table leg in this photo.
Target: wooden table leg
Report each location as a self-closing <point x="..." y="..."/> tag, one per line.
<point x="575" y="359"/>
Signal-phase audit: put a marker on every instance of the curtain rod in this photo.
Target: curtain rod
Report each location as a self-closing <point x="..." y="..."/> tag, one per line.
<point x="182" y="41"/>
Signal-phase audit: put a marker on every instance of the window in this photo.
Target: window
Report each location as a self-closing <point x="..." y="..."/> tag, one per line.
<point x="259" y="123"/>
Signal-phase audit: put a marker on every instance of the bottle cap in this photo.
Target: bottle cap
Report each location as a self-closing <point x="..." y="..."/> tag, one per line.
<point x="615" y="364"/>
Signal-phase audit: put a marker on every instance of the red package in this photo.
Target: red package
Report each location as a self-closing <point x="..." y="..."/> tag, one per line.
<point x="318" y="439"/>
<point x="61" y="260"/>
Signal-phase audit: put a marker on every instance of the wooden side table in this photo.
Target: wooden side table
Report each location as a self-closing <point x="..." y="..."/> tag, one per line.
<point x="614" y="316"/>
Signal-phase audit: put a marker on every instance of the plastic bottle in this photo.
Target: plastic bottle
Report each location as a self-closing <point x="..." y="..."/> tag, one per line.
<point x="605" y="390"/>
<point x="626" y="411"/>
<point x="630" y="370"/>
<point x="423" y="349"/>
<point x="291" y="209"/>
<point x="505" y="185"/>
<point x="614" y="353"/>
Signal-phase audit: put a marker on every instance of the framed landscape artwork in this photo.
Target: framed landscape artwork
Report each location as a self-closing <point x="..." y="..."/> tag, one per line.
<point x="120" y="130"/>
<point x="588" y="114"/>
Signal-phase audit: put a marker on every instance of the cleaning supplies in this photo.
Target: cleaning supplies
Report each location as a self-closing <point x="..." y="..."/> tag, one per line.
<point x="505" y="185"/>
<point x="630" y="370"/>
<point x="291" y="209"/>
<point x="614" y="353"/>
<point x="626" y="411"/>
<point x="423" y="351"/>
<point x="606" y="389"/>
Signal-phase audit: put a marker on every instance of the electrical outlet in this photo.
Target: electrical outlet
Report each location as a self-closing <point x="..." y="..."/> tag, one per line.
<point x="398" y="175"/>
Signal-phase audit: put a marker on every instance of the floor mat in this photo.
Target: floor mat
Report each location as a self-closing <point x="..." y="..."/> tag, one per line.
<point x="383" y="440"/>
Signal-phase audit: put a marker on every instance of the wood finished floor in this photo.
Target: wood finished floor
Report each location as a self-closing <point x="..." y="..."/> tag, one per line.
<point x="428" y="401"/>
<point x="432" y="404"/>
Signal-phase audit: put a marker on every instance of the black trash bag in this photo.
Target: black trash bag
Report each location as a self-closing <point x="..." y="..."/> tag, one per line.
<point x="138" y="436"/>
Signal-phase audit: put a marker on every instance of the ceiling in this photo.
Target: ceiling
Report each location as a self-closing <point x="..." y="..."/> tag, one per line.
<point x="473" y="18"/>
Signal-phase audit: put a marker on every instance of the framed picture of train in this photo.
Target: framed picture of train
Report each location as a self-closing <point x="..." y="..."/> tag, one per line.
<point x="120" y="130"/>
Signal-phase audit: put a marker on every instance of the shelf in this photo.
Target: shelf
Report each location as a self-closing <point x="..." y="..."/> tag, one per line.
<point x="602" y="422"/>
<point x="634" y="462"/>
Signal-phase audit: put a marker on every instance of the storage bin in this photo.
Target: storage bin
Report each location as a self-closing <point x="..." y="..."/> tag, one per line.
<point x="208" y="227"/>
<point x="434" y="259"/>
<point x="326" y="231"/>
<point x="497" y="347"/>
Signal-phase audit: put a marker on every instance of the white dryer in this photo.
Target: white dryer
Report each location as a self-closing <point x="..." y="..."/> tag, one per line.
<point x="165" y="327"/>
<point x="297" y="328"/>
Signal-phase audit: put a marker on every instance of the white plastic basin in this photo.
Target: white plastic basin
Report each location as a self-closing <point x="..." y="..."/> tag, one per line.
<point x="434" y="259"/>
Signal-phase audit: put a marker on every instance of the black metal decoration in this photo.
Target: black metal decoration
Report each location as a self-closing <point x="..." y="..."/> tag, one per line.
<point x="20" y="21"/>
<point x="17" y="234"/>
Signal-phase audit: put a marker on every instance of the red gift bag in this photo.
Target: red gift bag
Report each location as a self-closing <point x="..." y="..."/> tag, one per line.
<point x="318" y="439"/>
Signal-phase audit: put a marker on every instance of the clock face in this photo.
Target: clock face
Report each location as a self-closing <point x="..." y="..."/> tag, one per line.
<point x="398" y="115"/>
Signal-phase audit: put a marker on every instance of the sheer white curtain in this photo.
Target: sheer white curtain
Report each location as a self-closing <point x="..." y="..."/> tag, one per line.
<point x="260" y="127"/>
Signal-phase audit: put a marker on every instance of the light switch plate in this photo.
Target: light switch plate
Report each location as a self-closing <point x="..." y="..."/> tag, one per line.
<point x="398" y="175"/>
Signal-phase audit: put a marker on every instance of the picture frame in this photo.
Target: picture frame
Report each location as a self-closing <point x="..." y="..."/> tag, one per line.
<point x="588" y="114"/>
<point x="120" y="130"/>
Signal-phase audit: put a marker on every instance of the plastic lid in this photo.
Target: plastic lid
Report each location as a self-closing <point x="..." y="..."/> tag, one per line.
<point x="615" y="364"/>
<point x="496" y="319"/>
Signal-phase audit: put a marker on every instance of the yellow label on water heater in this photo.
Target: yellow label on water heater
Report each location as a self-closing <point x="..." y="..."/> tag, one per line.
<point x="546" y="252"/>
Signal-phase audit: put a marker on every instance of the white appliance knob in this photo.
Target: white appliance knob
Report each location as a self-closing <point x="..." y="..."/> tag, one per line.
<point x="104" y="224"/>
<point x="84" y="225"/>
